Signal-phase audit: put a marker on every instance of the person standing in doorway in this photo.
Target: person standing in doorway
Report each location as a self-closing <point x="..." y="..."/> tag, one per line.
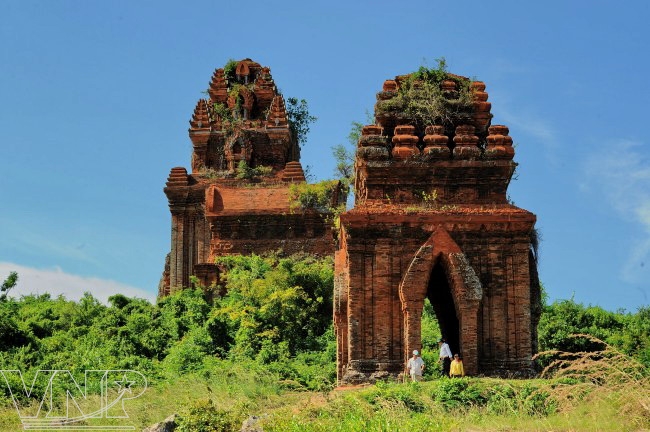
<point x="415" y="366"/>
<point x="456" y="370"/>
<point x="445" y="357"/>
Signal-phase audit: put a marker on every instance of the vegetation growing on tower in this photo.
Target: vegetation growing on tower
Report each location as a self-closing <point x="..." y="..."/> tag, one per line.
<point x="429" y="96"/>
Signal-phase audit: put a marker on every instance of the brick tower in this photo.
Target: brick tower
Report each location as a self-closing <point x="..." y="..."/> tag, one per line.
<point x="432" y="220"/>
<point x="236" y="200"/>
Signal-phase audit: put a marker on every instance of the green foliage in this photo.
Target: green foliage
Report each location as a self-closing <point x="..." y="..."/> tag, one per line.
<point x="299" y="119"/>
<point x="503" y="398"/>
<point x="409" y="396"/>
<point x="233" y="92"/>
<point x="457" y="393"/>
<point x="275" y="307"/>
<point x="229" y="69"/>
<point x="428" y="199"/>
<point x="11" y="334"/>
<point x="421" y="99"/>
<point x="222" y="111"/>
<point x="317" y="196"/>
<point x="344" y="155"/>
<point x="204" y="416"/>
<point x="245" y="172"/>
<point x="272" y="332"/>
<point x="430" y="331"/>
<point x="628" y="332"/>
<point x="344" y="163"/>
<point x="190" y="352"/>
<point x="8" y="285"/>
<point x="276" y="314"/>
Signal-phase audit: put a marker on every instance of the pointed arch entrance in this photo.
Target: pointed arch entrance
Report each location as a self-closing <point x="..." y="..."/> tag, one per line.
<point x="440" y="271"/>
<point x="442" y="300"/>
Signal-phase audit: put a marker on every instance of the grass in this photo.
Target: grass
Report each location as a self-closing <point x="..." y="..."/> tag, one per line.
<point x="603" y="390"/>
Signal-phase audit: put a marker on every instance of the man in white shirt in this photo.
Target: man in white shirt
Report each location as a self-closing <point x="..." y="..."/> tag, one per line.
<point x="445" y="356"/>
<point x="415" y="366"/>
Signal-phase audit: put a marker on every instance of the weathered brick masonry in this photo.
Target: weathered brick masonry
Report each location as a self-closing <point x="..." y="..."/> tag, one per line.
<point x="214" y="213"/>
<point x="432" y="220"/>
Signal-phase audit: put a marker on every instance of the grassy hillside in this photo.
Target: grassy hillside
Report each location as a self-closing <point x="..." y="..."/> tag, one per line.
<point x="266" y="348"/>
<point x="231" y="392"/>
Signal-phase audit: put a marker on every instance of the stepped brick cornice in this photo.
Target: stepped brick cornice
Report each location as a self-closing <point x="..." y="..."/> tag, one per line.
<point x="293" y="172"/>
<point x="218" y="89"/>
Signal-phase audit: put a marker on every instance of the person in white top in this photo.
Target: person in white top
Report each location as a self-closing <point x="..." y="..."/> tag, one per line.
<point x="445" y="357"/>
<point x="415" y="366"/>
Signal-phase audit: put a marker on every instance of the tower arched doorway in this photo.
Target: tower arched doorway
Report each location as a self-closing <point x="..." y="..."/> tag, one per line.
<point x="442" y="301"/>
<point x="440" y="272"/>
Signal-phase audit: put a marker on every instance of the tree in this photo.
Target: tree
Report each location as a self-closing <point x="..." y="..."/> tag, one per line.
<point x="344" y="155"/>
<point x="299" y="119"/>
<point x="275" y="306"/>
<point x="7" y="285"/>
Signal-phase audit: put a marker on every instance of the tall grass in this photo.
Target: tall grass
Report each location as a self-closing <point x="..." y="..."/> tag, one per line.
<point x="601" y="377"/>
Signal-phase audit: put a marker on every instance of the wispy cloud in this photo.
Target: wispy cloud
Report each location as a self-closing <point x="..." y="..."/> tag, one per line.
<point x="621" y="173"/>
<point x="28" y="237"/>
<point x="538" y="129"/>
<point x="55" y="282"/>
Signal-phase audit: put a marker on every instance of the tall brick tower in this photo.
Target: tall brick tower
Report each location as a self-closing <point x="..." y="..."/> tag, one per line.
<point x="237" y="197"/>
<point x="432" y="220"/>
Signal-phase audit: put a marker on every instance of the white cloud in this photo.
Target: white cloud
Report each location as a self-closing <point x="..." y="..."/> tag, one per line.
<point x="55" y="282"/>
<point x="621" y="173"/>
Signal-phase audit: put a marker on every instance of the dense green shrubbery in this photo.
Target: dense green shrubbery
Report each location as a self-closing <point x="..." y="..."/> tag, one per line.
<point x="275" y="307"/>
<point x="277" y="312"/>
<point x="497" y="399"/>
<point x="628" y="332"/>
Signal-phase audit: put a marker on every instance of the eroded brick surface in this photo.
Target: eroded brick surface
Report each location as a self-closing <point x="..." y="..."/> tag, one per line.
<point x="432" y="220"/>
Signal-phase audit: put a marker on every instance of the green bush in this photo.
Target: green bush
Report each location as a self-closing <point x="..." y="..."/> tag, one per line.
<point x="245" y="172"/>
<point x="535" y="402"/>
<point x="189" y="353"/>
<point x="408" y="396"/>
<point x="317" y="196"/>
<point x="458" y="393"/>
<point x="625" y="331"/>
<point x="204" y="416"/>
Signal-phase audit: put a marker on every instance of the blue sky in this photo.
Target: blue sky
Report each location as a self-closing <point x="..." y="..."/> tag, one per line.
<point x="96" y="97"/>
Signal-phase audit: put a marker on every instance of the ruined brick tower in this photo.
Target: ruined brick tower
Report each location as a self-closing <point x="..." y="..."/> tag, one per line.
<point x="432" y="220"/>
<point x="236" y="200"/>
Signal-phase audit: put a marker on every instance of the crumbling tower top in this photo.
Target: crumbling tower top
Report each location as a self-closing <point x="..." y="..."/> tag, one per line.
<point x="244" y="119"/>
<point x="432" y="140"/>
